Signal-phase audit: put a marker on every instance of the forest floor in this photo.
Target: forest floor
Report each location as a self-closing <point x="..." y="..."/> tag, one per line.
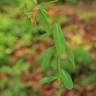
<point x="79" y="25"/>
<point x="80" y="30"/>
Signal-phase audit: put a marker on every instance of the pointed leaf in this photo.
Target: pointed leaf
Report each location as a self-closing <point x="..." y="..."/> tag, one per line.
<point x="66" y="79"/>
<point x="26" y="5"/>
<point x="46" y="58"/>
<point x="83" y="56"/>
<point x="42" y="18"/>
<point x="48" y="79"/>
<point x="59" y="40"/>
<point x="69" y="67"/>
<point x="6" y="69"/>
<point x="44" y="5"/>
<point x="7" y="93"/>
<point x="70" y="55"/>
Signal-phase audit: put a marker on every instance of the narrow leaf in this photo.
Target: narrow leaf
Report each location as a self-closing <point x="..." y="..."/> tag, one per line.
<point x="82" y="56"/>
<point x="46" y="58"/>
<point x="59" y="40"/>
<point x="66" y="79"/>
<point x="69" y="67"/>
<point x="70" y="55"/>
<point x="48" y="79"/>
<point x="6" y="69"/>
<point x="42" y="18"/>
<point x="27" y="5"/>
<point x="7" y="93"/>
<point x="44" y="5"/>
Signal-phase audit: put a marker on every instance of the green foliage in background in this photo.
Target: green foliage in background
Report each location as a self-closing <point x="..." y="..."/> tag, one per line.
<point x="19" y="27"/>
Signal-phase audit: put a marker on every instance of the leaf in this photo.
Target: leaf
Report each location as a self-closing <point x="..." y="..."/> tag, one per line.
<point x="6" y="69"/>
<point x="18" y="68"/>
<point x="7" y="93"/>
<point x="48" y="79"/>
<point x="44" y="5"/>
<point x="82" y="56"/>
<point x="3" y="83"/>
<point x="46" y="58"/>
<point x="66" y="79"/>
<point x="66" y="65"/>
<point x="31" y="3"/>
<point x="23" y="93"/>
<point x="17" y="85"/>
<point x="27" y="5"/>
<point x="42" y="18"/>
<point x="88" y="79"/>
<point x="59" y="39"/>
<point x="72" y="1"/>
<point x="70" y="55"/>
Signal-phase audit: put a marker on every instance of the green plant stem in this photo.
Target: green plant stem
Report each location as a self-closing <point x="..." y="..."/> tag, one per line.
<point x="59" y="91"/>
<point x="58" y="76"/>
<point x="58" y="67"/>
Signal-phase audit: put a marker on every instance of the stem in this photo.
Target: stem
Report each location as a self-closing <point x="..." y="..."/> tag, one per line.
<point x="58" y="67"/>
<point x="58" y="76"/>
<point x="59" y="91"/>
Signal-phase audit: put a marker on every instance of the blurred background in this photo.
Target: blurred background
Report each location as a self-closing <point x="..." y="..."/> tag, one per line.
<point x="22" y="41"/>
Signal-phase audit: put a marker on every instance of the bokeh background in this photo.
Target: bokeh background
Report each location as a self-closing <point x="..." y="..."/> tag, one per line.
<point x="22" y="41"/>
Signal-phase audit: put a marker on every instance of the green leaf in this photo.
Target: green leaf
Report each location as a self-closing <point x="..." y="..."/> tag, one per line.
<point x="72" y="1"/>
<point x="31" y="3"/>
<point x="46" y="58"/>
<point x="48" y="79"/>
<point x="88" y="79"/>
<point x="18" y="68"/>
<point x="70" y="56"/>
<point x="6" y="69"/>
<point x="17" y="85"/>
<point x="7" y="93"/>
<point x="82" y="56"/>
<point x="66" y="79"/>
<point x="59" y="39"/>
<point x="66" y="65"/>
<point x="42" y="18"/>
<point x="27" y="5"/>
<point x="44" y="5"/>
<point x="23" y="93"/>
<point x="5" y="22"/>
<point x="3" y="83"/>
